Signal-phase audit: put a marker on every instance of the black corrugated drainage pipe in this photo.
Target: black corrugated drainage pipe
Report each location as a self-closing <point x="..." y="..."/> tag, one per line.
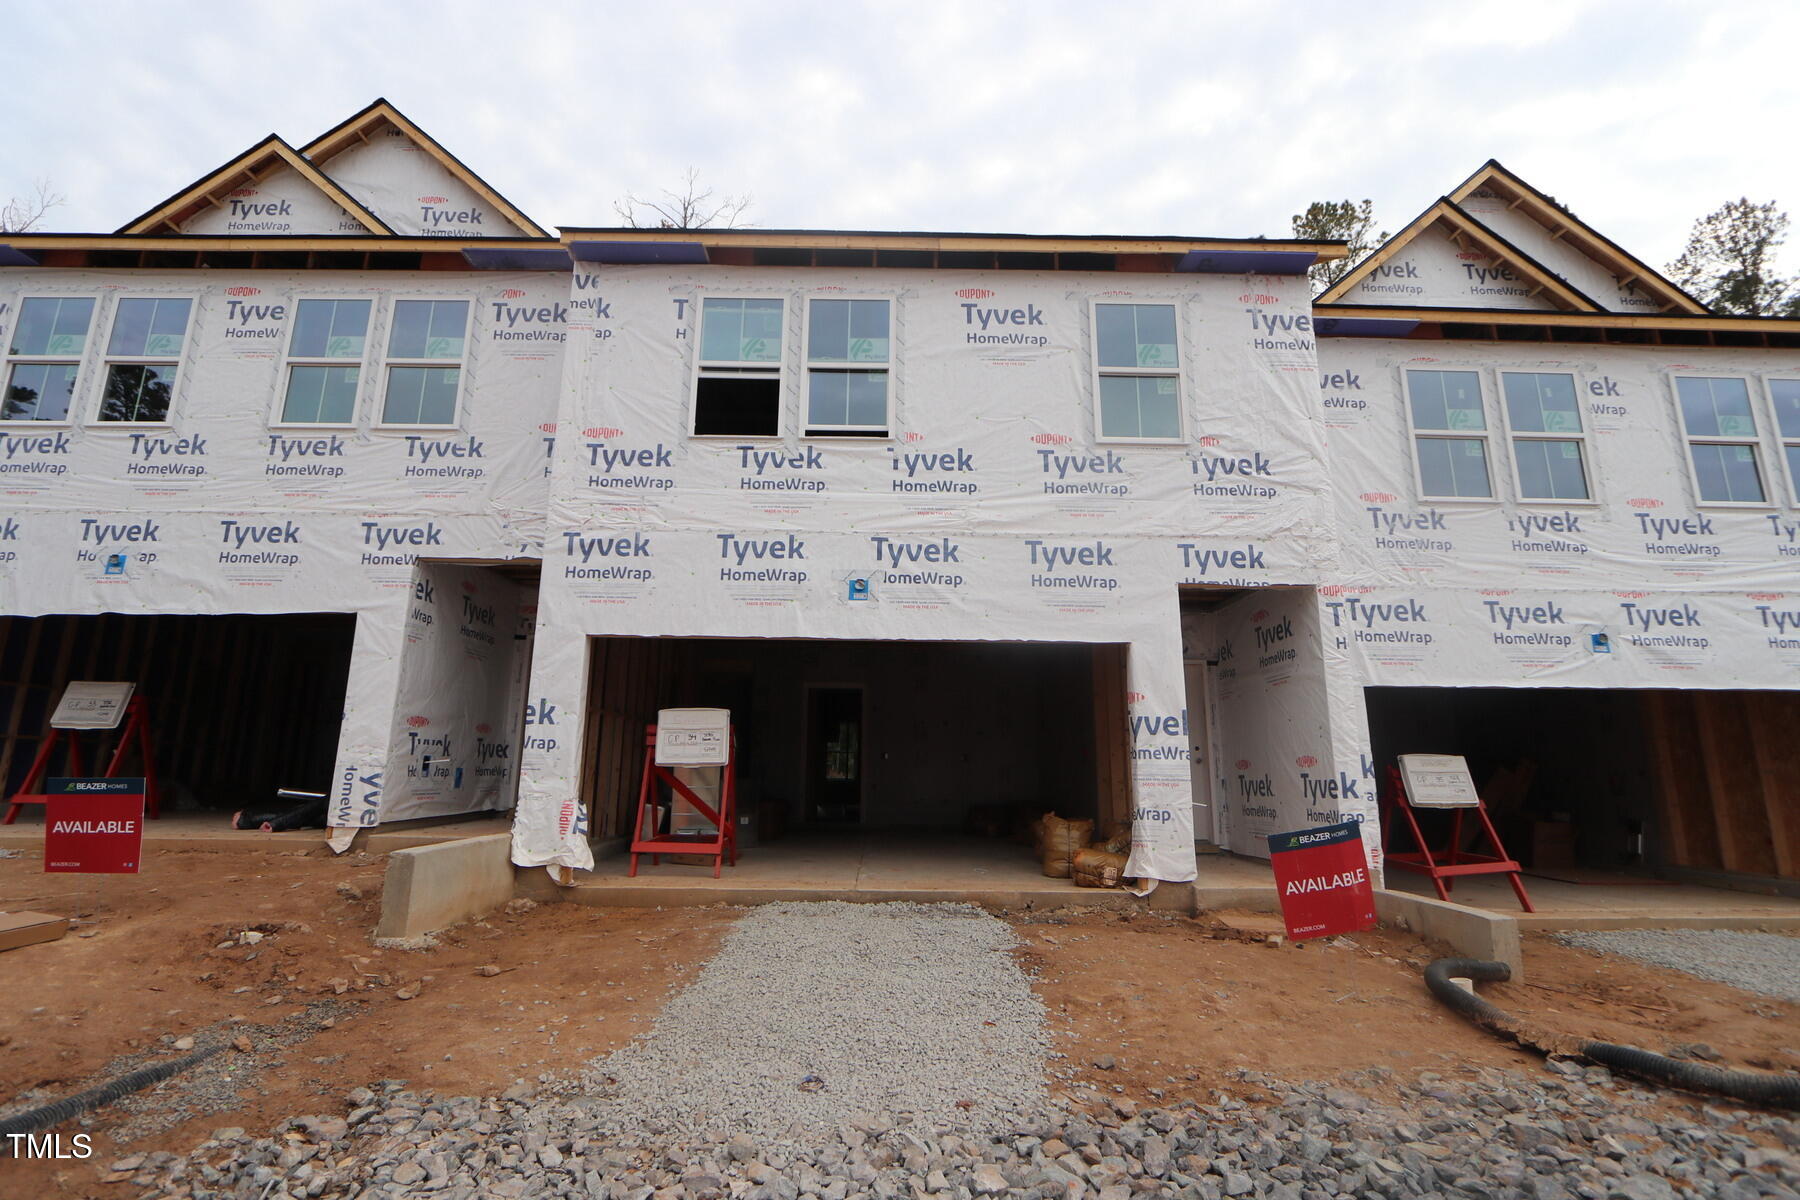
<point x="1752" y="1087"/>
<point x="58" y="1111"/>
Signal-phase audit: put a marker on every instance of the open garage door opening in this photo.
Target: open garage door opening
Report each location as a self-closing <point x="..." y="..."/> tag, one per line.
<point x="239" y="706"/>
<point x="844" y="747"/>
<point x="1606" y="785"/>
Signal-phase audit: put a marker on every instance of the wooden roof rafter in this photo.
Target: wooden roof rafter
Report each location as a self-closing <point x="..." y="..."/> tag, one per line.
<point x="360" y="128"/>
<point x="252" y="165"/>
<point x="1566" y="226"/>
<point x="1464" y="231"/>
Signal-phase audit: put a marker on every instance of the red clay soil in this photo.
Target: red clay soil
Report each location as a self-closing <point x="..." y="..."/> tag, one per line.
<point x="1178" y="1003"/>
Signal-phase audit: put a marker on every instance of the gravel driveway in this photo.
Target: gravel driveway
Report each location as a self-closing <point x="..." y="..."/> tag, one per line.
<point x="813" y="1013"/>
<point x="1767" y="963"/>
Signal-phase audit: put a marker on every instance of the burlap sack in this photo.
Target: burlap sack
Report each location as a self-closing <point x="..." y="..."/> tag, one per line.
<point x="1058" y="843"/>
<point x="1095" y="867"/>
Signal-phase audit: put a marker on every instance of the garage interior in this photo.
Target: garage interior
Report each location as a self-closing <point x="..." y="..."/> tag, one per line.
<point x="946" y="748"/>
<point x="239" y="706"/>
<point x="1597" y="786"/>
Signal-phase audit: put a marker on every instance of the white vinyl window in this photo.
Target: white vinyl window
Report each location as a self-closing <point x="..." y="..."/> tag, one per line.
<point x="849" y="351"/>
<point x="1784" y="396"/>
<point x="737" y="384"/>
<point x="427" y="340"/>
<point x="1543" y="417"/>
<point x="1721" y="439"/>
<point x="143" y="355"/>
<point x="1449" y="433"/>
<point x="1137" y="372"/>
<point x="43" y="357"/>
<point x="325" y="351"/>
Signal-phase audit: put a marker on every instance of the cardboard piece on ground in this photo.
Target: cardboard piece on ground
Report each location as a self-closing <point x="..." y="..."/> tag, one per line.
<point x="28" y="928"/>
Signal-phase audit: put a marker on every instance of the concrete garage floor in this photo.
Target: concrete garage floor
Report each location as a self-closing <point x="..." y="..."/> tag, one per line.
<point x="902" y="866"/>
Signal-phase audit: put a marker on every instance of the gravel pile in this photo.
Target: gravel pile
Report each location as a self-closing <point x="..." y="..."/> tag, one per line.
<point x="1546" y="1135"/>
<point x="812" y="1013"/>
<point x="1765" y="963"/>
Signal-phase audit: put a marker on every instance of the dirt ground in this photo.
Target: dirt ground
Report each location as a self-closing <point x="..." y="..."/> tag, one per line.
<point x="1178" y="1003"/>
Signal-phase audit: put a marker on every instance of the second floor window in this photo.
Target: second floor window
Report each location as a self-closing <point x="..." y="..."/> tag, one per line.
<point x="325" y="354"/>
<point x="1548" y="445"/>
<point x="1139" y="372"/>
<point x="142" y="356"/>
<point x="738" y="391"/>
<point x="847" y="360"/>
<point x="1721" y="437"/>
<point x="1449" y="427"/>
<point x="43" y="356"/>
<point x="424" y="362"/>
<point x="1784" y="394"/>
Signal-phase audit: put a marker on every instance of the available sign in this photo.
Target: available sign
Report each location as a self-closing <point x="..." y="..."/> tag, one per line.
<point x="94" y="826"/>
<point x="1323" y="877"/>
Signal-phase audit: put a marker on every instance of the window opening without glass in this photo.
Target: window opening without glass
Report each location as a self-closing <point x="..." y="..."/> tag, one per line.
<point x="424" y="362"/>
<point x="324" y="362"/>
<point x="848" y="355"/>
<point x="1721" y="437"/>
<point x="1544" y="415"/>
<point x="1450" y="440"/>
<point x="738" y="390"/>
<point x="43" y="356"/>
<point x="141" y="358"/>
<point x="1139" y="370"/>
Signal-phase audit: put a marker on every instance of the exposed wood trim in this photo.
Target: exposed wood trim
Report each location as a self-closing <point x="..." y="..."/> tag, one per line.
<point x="1585" y="238"/>
<point x="1731" y="777"/>
<point x="277" y="243"/>
<point x="1492" y="316"/>
<point x="199" y="193"/>
<point x="1773" y="717"/>
<point x="359" y="128"/>
<point x="1678" y="836"/>
<point x="975" y="242"/>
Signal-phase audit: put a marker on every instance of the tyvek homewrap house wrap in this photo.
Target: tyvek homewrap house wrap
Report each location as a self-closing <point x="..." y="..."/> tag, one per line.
<point x="394" y="396"/>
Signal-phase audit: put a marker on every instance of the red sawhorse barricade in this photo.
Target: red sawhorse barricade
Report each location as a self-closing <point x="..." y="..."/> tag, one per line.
<point x="1445" y="866"/>
<point x="133" y="731"/>
<point x="648" y="836"/>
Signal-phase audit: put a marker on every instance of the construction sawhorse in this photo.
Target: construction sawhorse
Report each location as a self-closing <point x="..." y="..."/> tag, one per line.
<point x="656" y="843"/>
<point x="135" y="728"/>
<point x="1443" y="871"/>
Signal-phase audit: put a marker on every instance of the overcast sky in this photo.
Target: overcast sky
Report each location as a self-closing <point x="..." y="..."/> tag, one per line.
<point x="1200" y="118"/>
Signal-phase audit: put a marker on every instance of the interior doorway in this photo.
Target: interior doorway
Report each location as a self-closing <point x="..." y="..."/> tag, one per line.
<point x="834" y="754"/>
<point x="1202" y="724"/>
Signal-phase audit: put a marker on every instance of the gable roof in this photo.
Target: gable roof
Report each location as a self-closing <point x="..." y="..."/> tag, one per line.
<point x="1466" y="230"/>
<point x="270" y="153"/>
<point x="1566" y="226"/>
<point x="357" y="129"/>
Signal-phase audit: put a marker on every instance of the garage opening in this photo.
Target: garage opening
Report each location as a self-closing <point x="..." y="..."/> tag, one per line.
<point x="1590" y="785"/>
<point x="948" y="747"/>
<point x="239" y="706"/>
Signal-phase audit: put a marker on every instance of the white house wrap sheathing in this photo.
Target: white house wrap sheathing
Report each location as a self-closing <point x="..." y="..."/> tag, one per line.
<point x="993" y="513"/>
<point x="223" y="510"/>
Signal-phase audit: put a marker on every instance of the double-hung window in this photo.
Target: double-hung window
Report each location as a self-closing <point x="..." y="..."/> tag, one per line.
<point x="738" y="390"/>
<point x="1449" y="430"/>
<point x="43" y="356"/>
<point x="1721" y="437"/>
<point x="142" y="355"/>
<point x="1138" y="368"/>
<point x="324" y="362"/>
<point x="847" y="361"/>
<point x="1544" y="417"/>
<point x="1784" y="395"/>
<point x="424" y="362"/>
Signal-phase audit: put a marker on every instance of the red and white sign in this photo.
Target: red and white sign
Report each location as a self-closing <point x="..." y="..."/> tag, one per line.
<point x="1323" y="878"/>
<point x="94" y="826"/>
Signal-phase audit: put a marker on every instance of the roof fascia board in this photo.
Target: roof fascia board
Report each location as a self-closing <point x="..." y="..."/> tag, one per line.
<point x="1515" y="316"/>
<point x="340" y="136"/>
<point x="1553" y="218"/>
<point x="270" y="147"/>
<point x="810" y="239"/>
<point x="1561" y="294"/>
<point x="267" y="241"/>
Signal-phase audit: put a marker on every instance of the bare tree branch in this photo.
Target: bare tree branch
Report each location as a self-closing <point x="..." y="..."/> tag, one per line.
<point x="694" y="207"/>
<point x="21" y="214"/>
